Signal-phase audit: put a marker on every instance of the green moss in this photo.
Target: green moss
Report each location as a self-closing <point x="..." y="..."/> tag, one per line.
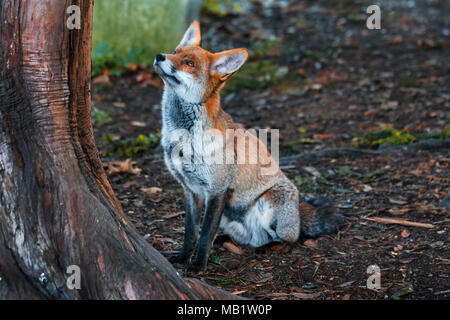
<point x="409" y="82"/>
<point x="130" y="147"/>
<point x="312" y="55"/>
<point x="308" y="186"/>
<point x="227" y="281"/>
<point x="135" y="30"/>
<point x="295" y="145"/>
<point x="375" y="139"/>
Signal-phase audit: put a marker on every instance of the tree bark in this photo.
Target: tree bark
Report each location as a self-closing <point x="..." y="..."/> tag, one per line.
<point x="57" y="207"/>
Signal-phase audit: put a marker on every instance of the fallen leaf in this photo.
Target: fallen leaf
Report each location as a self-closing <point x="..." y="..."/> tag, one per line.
<point x="405" y="233"/>
<point x="370" y="113"/>
<point x="129" y="183"/>
<point x="365" y="188"/>
<point x="146" y="78"/>
<point x="151" y="190"/>
<point x="278" y="247"/>
<point x="119" y="104"/>
<point x="397" y="201"/>
<point x="313" y="171"/>
<point x="103" y="79"/>
<point x="398" y="212"/>
<point x="325" y="77"/>
<point x="402" y="292"/>
<point x="301" y="71"/>
<point x="233" y="248"/>
<point x="397" y="39"/>
<point x="310" y="243"/>
<point x="322" y="137"/>
<point x="406" y="261"/>
<point x="116" y="167"/>
<point x="306" y="296"/>
<point x="139" y="124"/>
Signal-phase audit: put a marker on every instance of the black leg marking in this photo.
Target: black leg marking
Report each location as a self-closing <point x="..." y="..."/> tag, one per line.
<point x="213" y="213"/>
<point x="193" y="208"/>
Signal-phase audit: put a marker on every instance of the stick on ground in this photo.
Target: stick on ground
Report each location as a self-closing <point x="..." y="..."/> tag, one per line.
<point x="400" y="221"/>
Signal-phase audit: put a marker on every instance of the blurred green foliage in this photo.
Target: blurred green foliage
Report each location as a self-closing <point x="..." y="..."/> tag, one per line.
<point x="134" y="30"/>
<point x="261" y="48"/>
<point x="130" y="147"/>
<point x="224" y="7"/>
<point x="100" y="117"/>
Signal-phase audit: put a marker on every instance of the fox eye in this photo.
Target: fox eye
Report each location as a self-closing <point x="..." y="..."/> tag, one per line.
<point x="174" y="52"/>
<point x="190" y="63"/>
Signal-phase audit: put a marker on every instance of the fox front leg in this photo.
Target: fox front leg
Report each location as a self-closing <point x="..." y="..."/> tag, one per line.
<point x="213" y="213"/>
<point x="193" y="208"/>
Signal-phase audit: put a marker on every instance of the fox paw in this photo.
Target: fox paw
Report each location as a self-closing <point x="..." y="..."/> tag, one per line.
<point x="196" y="267"/>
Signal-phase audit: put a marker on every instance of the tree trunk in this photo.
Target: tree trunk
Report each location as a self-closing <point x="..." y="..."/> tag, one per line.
<point x="57" y="207"/>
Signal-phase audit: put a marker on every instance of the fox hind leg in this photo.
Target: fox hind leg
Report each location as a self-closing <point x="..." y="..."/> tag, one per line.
<point x="284" y="201"/>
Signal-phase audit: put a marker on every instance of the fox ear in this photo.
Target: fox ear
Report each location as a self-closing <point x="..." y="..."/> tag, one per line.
<point x="192" y="36"/>
<point x="228" y="62"/>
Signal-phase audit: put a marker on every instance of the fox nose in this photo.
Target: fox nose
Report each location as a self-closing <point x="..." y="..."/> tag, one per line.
<point x="160" y="57"/>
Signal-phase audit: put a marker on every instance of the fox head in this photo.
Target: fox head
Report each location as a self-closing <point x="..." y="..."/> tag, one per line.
<point x="193" y="73"/>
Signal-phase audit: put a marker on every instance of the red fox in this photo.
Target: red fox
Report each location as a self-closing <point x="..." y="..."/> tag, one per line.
<point x="251" y="205"/>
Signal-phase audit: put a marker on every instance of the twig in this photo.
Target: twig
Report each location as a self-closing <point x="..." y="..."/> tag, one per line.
<point x="173" y="215"/>
<point x="442" y="292"/>
<point x="400" y="221"/>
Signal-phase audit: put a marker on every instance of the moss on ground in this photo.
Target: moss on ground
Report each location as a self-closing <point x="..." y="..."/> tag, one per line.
<point x="128" y="148"/>
<point x="394" y="137"/>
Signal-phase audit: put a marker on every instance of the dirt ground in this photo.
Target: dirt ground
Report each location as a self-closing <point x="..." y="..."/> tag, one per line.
<point x="339" y="80"/>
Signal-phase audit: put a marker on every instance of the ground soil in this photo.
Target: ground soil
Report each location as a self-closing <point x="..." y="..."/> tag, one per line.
<point x="357" y="80"/>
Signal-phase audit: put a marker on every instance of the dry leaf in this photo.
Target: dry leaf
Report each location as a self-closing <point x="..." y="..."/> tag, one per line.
<point x="233" y="248"/>
<point x="139" y="124"/>
<point x="310" y="243"/>
<point x="322" y="137"/>
<point x="405" y="233"/>
<point x="119" y="104"/>
<point x="129" y="183"/>
<point x="278" y="247"/>
<point x="306" y="296"/>
<point x="151" y="190"/>
<point x="116" y="167"/>
<point x="398" y="212"/>
<point x="103" y="79"/>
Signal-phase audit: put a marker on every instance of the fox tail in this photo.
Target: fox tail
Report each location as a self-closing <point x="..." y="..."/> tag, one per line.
<point x="319" y="216"/>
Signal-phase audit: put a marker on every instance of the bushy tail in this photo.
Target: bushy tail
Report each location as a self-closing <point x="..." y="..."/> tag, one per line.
<point x="319" y="216"/>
